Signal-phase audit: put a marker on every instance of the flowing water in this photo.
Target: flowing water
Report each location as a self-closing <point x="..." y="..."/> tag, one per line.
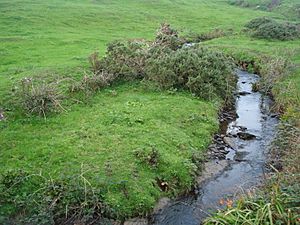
<point x="245" y="161"/>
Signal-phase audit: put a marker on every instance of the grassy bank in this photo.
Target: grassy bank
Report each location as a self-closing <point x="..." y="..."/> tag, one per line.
<point x="277" y="200"/>
<point x="286" y="90"/>
<point x="125" y="142"/>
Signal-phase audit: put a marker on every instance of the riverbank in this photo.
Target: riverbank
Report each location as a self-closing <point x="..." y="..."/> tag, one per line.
<point x="277" y="200"/>
<point x="249" y="135"/>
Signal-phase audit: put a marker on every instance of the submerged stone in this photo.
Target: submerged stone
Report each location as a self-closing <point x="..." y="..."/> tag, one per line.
<point x="243" y="93"/>
<point x="229" y="142"/>
<point x="246" y="136"/>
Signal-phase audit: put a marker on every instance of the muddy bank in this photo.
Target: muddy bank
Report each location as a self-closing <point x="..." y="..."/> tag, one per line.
<point x="238" y="158"/>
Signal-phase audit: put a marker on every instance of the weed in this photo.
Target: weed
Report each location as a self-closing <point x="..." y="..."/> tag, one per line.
<point x="92" y="83"/>
<point x="94" y="62"/>
<point x="284" y="153"/>
<point x="273" y="207"/>
<point x="206" y="36"/>
<point x="41" y="200"/>
<point x="39" y="97"/>
<point x="273" y="70"/>
<point x="149" y="156"/>
<point x="288" y="97"/>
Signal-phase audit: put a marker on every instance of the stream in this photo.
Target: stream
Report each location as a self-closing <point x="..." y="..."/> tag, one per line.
<point x="249" y="136"/>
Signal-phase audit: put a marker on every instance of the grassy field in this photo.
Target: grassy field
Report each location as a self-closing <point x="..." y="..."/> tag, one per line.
<point x="39" y="37"/>
<point x="61" y="34"/>
<point x="288" y="8"/>
<point x="107" y="133"/>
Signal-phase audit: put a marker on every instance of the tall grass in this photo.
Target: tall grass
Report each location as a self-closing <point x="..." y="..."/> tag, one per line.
<point x="275" y="206"/>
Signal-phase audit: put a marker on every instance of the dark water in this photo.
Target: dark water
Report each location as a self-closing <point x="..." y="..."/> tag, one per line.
<point x="246" y="161"/>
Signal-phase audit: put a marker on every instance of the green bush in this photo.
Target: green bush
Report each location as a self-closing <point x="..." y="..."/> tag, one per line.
<point x="277" y="31"/>
<point x="257" y="22"/>
<point x="214" y="76"/>
<point x="125" y="59"/>
<point x="206" y="73"/>
<point x="165" y="63"/>
<point x="270" y="29"/>
<point x="160" y="71"/>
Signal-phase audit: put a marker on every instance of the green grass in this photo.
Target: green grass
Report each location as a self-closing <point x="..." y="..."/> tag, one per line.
<point x="288" y="8"/>
<point x="61" y="34"/>
<point x="58" y="36"/>
<point x="276" y="208"/>
<point x="119" y="122"/>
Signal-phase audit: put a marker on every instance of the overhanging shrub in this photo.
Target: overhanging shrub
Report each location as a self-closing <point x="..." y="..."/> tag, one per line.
<point x="206" y="73"/>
